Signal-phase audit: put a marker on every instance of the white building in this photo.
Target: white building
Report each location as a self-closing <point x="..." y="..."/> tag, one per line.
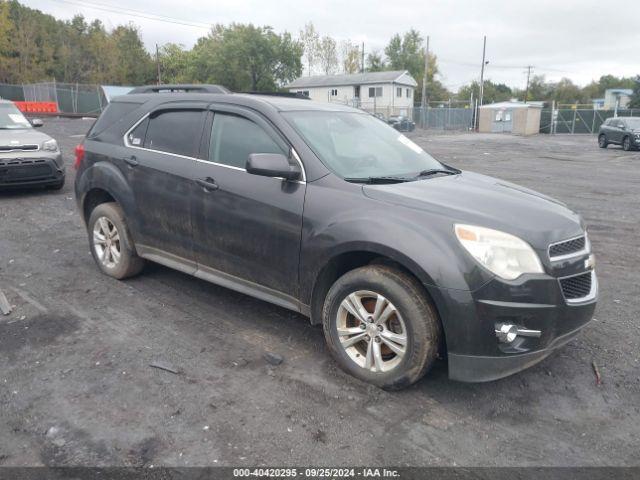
<point x="389" y="93"/>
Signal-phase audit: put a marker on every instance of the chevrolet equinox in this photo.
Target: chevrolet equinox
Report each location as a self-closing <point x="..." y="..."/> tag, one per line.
<point x="325" y="210"/>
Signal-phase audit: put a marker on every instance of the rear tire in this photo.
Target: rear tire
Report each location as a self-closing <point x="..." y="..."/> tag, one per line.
<point x="392" y="344"/>
<point x="111" y="244"/>
<point x="626" y="143"/>
<point x="602" y="141"/>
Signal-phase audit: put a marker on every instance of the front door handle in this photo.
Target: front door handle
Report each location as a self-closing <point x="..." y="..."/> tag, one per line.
<point x="132" y="161"/>
<point x="209" y="184"/>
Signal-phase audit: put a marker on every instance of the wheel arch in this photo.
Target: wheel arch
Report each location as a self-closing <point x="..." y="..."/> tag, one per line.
<point x="347" y="259"/>
<point x="104" y="182"/>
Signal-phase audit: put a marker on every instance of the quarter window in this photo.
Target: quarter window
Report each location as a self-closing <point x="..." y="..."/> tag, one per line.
<point x="175" y="131"/>
<point x="136" y="136"/>
<point x="233" y="138"/>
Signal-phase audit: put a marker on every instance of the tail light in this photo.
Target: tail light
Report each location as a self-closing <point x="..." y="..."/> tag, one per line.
<point x="79" y="156"/>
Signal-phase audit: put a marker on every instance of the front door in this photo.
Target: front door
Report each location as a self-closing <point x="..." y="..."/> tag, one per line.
<point x="160" y="165"/>
<point x="246" y="228"/>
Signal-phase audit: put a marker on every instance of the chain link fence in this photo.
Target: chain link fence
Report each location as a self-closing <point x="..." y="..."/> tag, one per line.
<point x="72" y="98"/>
<point x="579" y="120"/>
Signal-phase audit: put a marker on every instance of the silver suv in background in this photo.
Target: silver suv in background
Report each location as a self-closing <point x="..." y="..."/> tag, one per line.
<point x="27" y="157"/>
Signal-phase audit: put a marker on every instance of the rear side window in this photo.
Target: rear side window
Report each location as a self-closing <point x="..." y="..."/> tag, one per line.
<point x="234" y="138"/>
<point x="175" y="131"/>
<point x="114" y="112"/>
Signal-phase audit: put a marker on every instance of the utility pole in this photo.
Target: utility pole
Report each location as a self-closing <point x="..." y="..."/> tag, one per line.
<point x="423" y="102"/>
<point x="362" y="61"/>
<point x="158" y="65"/>
<point x="526" y="91"/>
<point x="484" y="62"/>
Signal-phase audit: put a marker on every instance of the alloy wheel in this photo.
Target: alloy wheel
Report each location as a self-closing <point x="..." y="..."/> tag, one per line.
<point x="371" y="331"/>
<point x="106" y="241"/>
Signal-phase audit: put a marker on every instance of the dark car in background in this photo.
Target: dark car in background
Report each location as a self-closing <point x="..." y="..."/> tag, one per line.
<point x="623" y="131"/>
<point x="401" y="123"/>
<point x="325" y="210"/>
<point x="27" y="158"/>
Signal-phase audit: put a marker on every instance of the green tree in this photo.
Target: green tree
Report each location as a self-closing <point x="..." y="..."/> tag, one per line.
<point x="135" y="66"/>
<point x="375" y="62"/>
<point x="175" y="63"/>
<point x="407" y="53"/>
<point x="244" y="57"/>
<point x="493" y="92"/>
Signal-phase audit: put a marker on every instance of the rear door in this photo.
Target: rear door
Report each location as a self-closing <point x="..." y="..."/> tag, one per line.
<point x="160" y="164"/>
<point x="247" y="228"/>
<point x="615" y="133"/>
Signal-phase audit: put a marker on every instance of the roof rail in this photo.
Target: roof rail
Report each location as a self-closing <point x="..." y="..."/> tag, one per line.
<point x="280" y="94"/>
<point x="182" y="88"/>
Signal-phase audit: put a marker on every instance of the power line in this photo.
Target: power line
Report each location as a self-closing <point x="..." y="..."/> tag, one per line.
<point x="137" y="13"/>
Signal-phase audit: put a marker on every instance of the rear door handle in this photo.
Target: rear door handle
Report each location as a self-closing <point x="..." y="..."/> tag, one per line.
<point x="209" y="184"/>
<point x="132" y="161"/>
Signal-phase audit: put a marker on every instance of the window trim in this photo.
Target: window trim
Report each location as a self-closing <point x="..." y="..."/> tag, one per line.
<point x="211" y="109"/>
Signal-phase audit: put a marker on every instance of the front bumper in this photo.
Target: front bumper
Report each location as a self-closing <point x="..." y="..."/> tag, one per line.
<point x="534" y="302"/>
<point x="27" y="171"/>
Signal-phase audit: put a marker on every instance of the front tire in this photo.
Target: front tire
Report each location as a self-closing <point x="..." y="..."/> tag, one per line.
<point x="602" y="141"/>
<point x="381" y="327"/>
<point x="626" y="143"/>
<point x="111" y="244"/>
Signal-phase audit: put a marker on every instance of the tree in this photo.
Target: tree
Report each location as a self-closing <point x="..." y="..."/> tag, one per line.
<point x="174" y="63"/>
<point x="375" y="62"/>
<point x="310" y="40"/>
<point x="244" y="57"/>
<point x="135" y="66"/>
<point x="350" y="54"/>
<point x="328" y="55"/>
<point x="6" y="34"/>
<point x="493" y="92"/>
<point x="407" y="53"/>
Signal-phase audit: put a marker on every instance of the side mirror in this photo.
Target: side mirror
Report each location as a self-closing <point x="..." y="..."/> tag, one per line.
<point x="36" y="122"/>
<point x="272" y="165"/>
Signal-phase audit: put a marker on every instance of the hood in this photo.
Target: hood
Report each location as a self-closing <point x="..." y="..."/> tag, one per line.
<point x="22" y="137"/>
<point x="485" y="201"/>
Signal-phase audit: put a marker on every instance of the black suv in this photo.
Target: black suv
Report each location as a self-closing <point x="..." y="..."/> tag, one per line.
<point x="325" y="210"/>
<point x="620" y="131"/>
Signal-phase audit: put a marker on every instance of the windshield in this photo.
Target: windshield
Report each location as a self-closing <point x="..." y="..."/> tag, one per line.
<point x="11" y="118"/>
<point x="632" y="123"/>
<point x="357" y="145"/>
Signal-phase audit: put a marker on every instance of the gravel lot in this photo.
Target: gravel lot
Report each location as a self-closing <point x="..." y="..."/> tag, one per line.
<point x="76" y="387"/>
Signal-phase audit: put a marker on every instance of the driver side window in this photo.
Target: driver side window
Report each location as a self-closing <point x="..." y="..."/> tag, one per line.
<point x="233" y="138"/>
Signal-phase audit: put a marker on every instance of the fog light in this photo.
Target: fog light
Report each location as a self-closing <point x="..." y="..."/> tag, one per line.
<point x="506" y="333"/>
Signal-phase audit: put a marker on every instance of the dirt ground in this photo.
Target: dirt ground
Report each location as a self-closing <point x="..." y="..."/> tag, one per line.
<point x="76" y="387"/>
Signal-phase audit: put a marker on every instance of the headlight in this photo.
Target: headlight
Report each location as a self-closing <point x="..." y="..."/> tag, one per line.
<point x="50" y="145"/>
<point x="501" y="253"/>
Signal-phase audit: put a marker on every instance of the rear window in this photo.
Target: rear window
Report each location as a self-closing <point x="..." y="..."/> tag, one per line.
<point x="114" y="112"/>
<point x="175" y="131"/>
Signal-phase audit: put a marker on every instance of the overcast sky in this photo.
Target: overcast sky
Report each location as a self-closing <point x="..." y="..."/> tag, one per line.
<point x="579" y="39"/>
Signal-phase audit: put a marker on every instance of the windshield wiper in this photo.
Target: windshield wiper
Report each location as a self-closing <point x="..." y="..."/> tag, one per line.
<point x="377" y="180"/>
<point x="435" y="171"/>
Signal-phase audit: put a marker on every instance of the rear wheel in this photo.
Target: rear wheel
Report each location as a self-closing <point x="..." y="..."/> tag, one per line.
<point x="111" y="244"/>
<point x="626" y="143"/>
<point x="602" y="141"/>
<point x="380" y="326"/>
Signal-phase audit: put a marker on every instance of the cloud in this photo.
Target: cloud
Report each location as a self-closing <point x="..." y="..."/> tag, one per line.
<point x="572" y="38"/>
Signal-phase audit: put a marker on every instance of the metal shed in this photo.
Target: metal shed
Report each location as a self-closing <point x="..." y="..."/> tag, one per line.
<point x="510" y="117"/>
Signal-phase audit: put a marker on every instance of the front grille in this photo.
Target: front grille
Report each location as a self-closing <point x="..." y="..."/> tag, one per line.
<point x="576" y="287"/>
<point x="18" y="148"/>
<point x="567" y="247"/>
<point x="23" y="169"/>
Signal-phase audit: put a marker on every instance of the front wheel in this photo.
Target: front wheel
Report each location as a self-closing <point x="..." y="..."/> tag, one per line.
<point x="626" y="144"/>
<point x="602" y="141"/>
<point x="381" y="327"/>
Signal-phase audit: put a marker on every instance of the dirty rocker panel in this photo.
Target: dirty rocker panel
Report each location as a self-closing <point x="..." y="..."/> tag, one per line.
<point x="221" y="278"/>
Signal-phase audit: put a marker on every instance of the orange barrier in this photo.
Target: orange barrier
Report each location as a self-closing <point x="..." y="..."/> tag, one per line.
<point x="37" y="107"/>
